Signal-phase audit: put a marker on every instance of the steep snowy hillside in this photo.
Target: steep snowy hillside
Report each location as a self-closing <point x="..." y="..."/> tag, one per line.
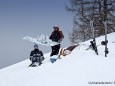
<point x="80" y="68"/>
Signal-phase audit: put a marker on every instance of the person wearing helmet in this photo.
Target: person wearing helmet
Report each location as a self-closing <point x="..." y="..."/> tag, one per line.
<point x="36" y="56"/>
<point x="56" y="36"/>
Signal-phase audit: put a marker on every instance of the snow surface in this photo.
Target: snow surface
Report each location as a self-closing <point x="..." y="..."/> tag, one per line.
<point x="76" y="69"/>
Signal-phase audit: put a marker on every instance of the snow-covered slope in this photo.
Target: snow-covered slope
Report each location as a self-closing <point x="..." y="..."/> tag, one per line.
<point x="80" y="68"/>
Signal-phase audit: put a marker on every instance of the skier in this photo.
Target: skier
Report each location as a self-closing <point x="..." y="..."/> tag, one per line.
<point x="36" y="56"/>
<point x="56" y="36"/>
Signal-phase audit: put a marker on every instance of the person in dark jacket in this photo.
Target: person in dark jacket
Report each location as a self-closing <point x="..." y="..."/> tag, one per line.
<point x="56" y="36"/>
<point x="36" y="56"/>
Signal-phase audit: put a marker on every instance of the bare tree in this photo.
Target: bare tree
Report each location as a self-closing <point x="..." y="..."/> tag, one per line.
<point x="87" y="10"/>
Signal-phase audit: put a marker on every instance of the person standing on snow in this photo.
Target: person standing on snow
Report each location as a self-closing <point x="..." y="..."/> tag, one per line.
<point x="56" y="36"/>
<point x="36" y="56"/>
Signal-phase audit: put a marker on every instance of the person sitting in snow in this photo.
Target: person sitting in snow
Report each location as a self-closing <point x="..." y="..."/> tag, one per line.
<point x="36" y="56"/>
<point x="56" y="36"/>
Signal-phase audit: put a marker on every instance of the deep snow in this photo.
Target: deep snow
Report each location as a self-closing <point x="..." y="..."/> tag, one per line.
<point x="80" y="68"/>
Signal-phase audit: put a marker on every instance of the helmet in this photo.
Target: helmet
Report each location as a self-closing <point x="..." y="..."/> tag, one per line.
<point x="36" y="46"/>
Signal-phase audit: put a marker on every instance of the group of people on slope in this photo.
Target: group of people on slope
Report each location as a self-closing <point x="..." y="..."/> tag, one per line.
<point x="37" y="56"/>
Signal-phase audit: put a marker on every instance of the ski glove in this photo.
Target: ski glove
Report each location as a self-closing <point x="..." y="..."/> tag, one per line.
<point x="31" y="58"/>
